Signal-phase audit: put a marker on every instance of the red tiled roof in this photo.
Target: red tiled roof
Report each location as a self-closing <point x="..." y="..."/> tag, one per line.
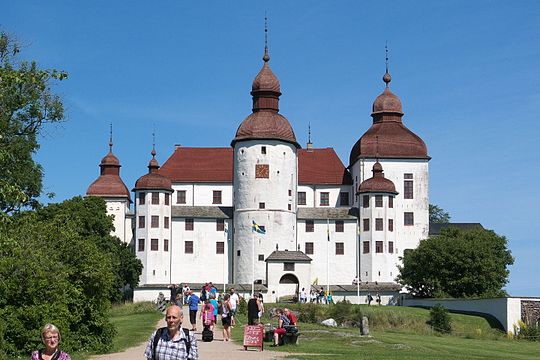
<point x="189" y="164"/>
<point x="321" y="166"/>
<point x="378" y="183"/>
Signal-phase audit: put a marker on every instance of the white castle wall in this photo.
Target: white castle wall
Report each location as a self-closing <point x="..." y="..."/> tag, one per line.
<point x="204" y="264"/>
<point x="313" y="194"/>
<point x="201" y="194"/>
<point x="342" y="268"/>
<point x="157" y="264"/>
<point x="119" y="208"/>
<point x="277" y="192"/>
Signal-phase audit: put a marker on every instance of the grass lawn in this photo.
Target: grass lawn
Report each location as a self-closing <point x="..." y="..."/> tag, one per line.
<point x="400" y="332"/>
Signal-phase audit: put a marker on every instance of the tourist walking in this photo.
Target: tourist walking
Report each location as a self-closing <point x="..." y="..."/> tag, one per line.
<point x="193" y="303"/>
<point x="50" y="336"/>
<point x="226" y="317"/>
<point x="253" y="310"/>
<point x="172" y="342"/>
<point x="185" y="294"/>
<point x="234" y="301"/>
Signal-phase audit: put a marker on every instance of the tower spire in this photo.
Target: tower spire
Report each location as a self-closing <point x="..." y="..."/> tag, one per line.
<point x="386" y="78"/>
<point x="110" y="139"/>
<point x="309" y="143"/>
<point x="153" y="143"/>
<point x="266" y="57"/>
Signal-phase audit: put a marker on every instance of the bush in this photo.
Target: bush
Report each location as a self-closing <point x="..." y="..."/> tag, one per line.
<point x="528" y="332"/>
<point x="309" y="313"/>
<point x="242" y="307"/>
<point x="341" y="311"/>
<point x="439" y="319"/>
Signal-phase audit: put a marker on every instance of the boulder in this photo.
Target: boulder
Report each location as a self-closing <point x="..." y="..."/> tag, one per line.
<point x="329" y="322"/>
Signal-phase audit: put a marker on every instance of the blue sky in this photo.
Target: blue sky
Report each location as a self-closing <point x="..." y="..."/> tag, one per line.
<point x="467" y="73"/>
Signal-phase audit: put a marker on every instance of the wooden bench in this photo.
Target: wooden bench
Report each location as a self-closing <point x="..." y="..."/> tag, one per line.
<point x="291" y="336"/>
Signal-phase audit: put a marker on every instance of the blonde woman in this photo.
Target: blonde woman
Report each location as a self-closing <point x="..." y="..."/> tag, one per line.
<point x="50" y="335"/>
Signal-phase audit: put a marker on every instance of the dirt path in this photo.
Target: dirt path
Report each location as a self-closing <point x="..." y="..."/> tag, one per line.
<point x="217" y="349"/>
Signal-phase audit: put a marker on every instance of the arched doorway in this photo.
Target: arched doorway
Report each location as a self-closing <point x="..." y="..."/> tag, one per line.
<point x="288" y="286"/>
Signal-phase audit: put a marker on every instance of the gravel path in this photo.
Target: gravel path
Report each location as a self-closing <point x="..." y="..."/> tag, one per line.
<point x="217" y="349"/>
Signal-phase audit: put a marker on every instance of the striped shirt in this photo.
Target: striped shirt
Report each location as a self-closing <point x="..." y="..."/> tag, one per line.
<point x="173" y="349"/>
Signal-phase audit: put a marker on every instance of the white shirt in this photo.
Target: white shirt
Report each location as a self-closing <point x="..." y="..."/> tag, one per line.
<point x="234" y="300"/>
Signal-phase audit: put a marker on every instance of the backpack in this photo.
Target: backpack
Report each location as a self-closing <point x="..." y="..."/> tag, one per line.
<point x="160" y="331"/>
<point x="207" y="334"/>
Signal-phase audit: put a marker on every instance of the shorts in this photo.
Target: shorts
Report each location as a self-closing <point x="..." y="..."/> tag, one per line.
<point x="280" y="331"/>
<point x="226" y="321"/>
<point x="233" y="311"/>
<point x="193" y="316"/>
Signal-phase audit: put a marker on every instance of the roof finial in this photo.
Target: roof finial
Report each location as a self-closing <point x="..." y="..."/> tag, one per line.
<point x="154" y="143"/>
<point x="386" y="78"/>
<point x="110" y="139"/>
<point x="309" y="143"/>
<point x="266" y="57"/>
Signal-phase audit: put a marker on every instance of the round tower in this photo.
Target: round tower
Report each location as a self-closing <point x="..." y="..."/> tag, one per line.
<point x="265" y="181"/>
<point x="378" y="257"/>
<point x="112" y="189"/>
<point x="153" y="224"/>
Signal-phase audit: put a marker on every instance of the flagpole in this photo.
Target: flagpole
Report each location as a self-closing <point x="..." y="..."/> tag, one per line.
<point x="358" y="257"/>
<point x="225" y="251"/>
<point x="327" y="258"/>
<point x="253" y="264"/>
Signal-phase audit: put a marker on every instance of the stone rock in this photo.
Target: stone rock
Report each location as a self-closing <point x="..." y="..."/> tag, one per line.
<point x="364" y="326"/>
<point x="329" y="322"/>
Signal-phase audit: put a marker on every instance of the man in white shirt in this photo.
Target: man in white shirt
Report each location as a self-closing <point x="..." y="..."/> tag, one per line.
<point x="234" y="301"/>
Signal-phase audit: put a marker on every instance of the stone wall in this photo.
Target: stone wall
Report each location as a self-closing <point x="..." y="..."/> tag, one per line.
<point x="530" y="312"/>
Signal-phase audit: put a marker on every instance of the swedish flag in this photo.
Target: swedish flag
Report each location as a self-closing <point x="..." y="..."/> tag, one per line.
<point x="258" y="228"/>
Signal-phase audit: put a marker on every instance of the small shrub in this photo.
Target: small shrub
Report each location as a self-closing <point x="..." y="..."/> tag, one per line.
<point x="528" y="332"/>
<point x="242" y="307"/>
<point x="340" y="311"/>
<point x="309" y="313"/>
<point x="439" y="319"/>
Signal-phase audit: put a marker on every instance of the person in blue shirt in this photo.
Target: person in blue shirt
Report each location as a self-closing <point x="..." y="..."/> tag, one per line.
<point x="193" y="303"/>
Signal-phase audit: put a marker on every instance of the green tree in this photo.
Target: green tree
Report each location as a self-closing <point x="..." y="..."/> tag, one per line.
<point x="438" y="215"/>
<point x="26" y="105"/>
<point x="457" y="263"/>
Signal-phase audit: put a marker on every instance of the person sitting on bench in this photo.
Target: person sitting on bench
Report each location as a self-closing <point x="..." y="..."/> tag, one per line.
<point x="283" y="321"/>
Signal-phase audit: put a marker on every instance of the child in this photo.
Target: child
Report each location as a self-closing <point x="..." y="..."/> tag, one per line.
<point x="207" y="315"/>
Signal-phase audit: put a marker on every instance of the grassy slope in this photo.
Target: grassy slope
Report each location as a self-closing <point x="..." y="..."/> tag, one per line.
<point x="401" y="332"/>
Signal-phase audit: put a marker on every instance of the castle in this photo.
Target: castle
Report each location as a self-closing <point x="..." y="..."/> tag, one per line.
<point x="266" y="211"/>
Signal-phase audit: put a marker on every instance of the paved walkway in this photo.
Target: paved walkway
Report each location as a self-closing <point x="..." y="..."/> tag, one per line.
<point x="217" y="349"/>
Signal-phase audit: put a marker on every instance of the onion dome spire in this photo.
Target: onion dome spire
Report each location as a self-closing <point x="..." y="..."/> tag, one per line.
<point x="377" y="183"/>
<point x="395" y="140"/>
<point x="265" y="122"/>
<point x="153" y="180"/>
<point x="109" y="183"/>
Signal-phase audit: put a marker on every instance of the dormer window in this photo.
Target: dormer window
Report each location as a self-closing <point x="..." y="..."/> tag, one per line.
<point x="263" y="150"/>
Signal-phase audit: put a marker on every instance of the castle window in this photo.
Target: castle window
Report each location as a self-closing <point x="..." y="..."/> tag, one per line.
<point x="155" y="221"/>
<point x="220" y="247"/>
<point x="142" y="222"/>
<point x="344" y="198"/>
<point x="408" y="218"/>
<point x="288" y="266"/>
<point x="238" y="253"/>
<point x="166" y="222"/>
<point x="309" y="248"/>
<point x="262" y="171"/>
<point x="142" y="197"/>
<point x="366" y="247"/>
<point x="154" y="244"/>
<point x="261" y="257"/>
<point x="340" y="226"/>
<point x="220" y="225"/>
<point x="155" y="198"/>
<point x="391" y="248"/>
<point x="140" y="245"/>
<point x="378" y="224"/>
<point x="390" y="224"/>
<point x="189" y="225"/>
<point x="289" y="207"/>
<point x="365" y="201"/>
<point x="340" y="248"/>
<point x="263" y="150"/>
<point x="366" y="224"/>
<point x="165" y="244"/>
<point x="262" y="205"/>
<point x="325" y="199"/>
<point x="378" y="246"/>
<point x="301" y="198"/>
<point x="408" y="186"/>
<point x="181" y="196"/>
<point x="390" y="201"/>
<point x="188" y="247"/>
<point x="216" y="197"/>
<point x="310" y="226"/>
<point x="290" y="192"/>
<point x="167" y="199"/>
<point x="378" y="200"/>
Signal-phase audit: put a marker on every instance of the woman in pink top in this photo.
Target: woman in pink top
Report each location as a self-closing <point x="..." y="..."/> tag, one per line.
<point x="50" y="335"/>
<point x="207" y="315"/>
